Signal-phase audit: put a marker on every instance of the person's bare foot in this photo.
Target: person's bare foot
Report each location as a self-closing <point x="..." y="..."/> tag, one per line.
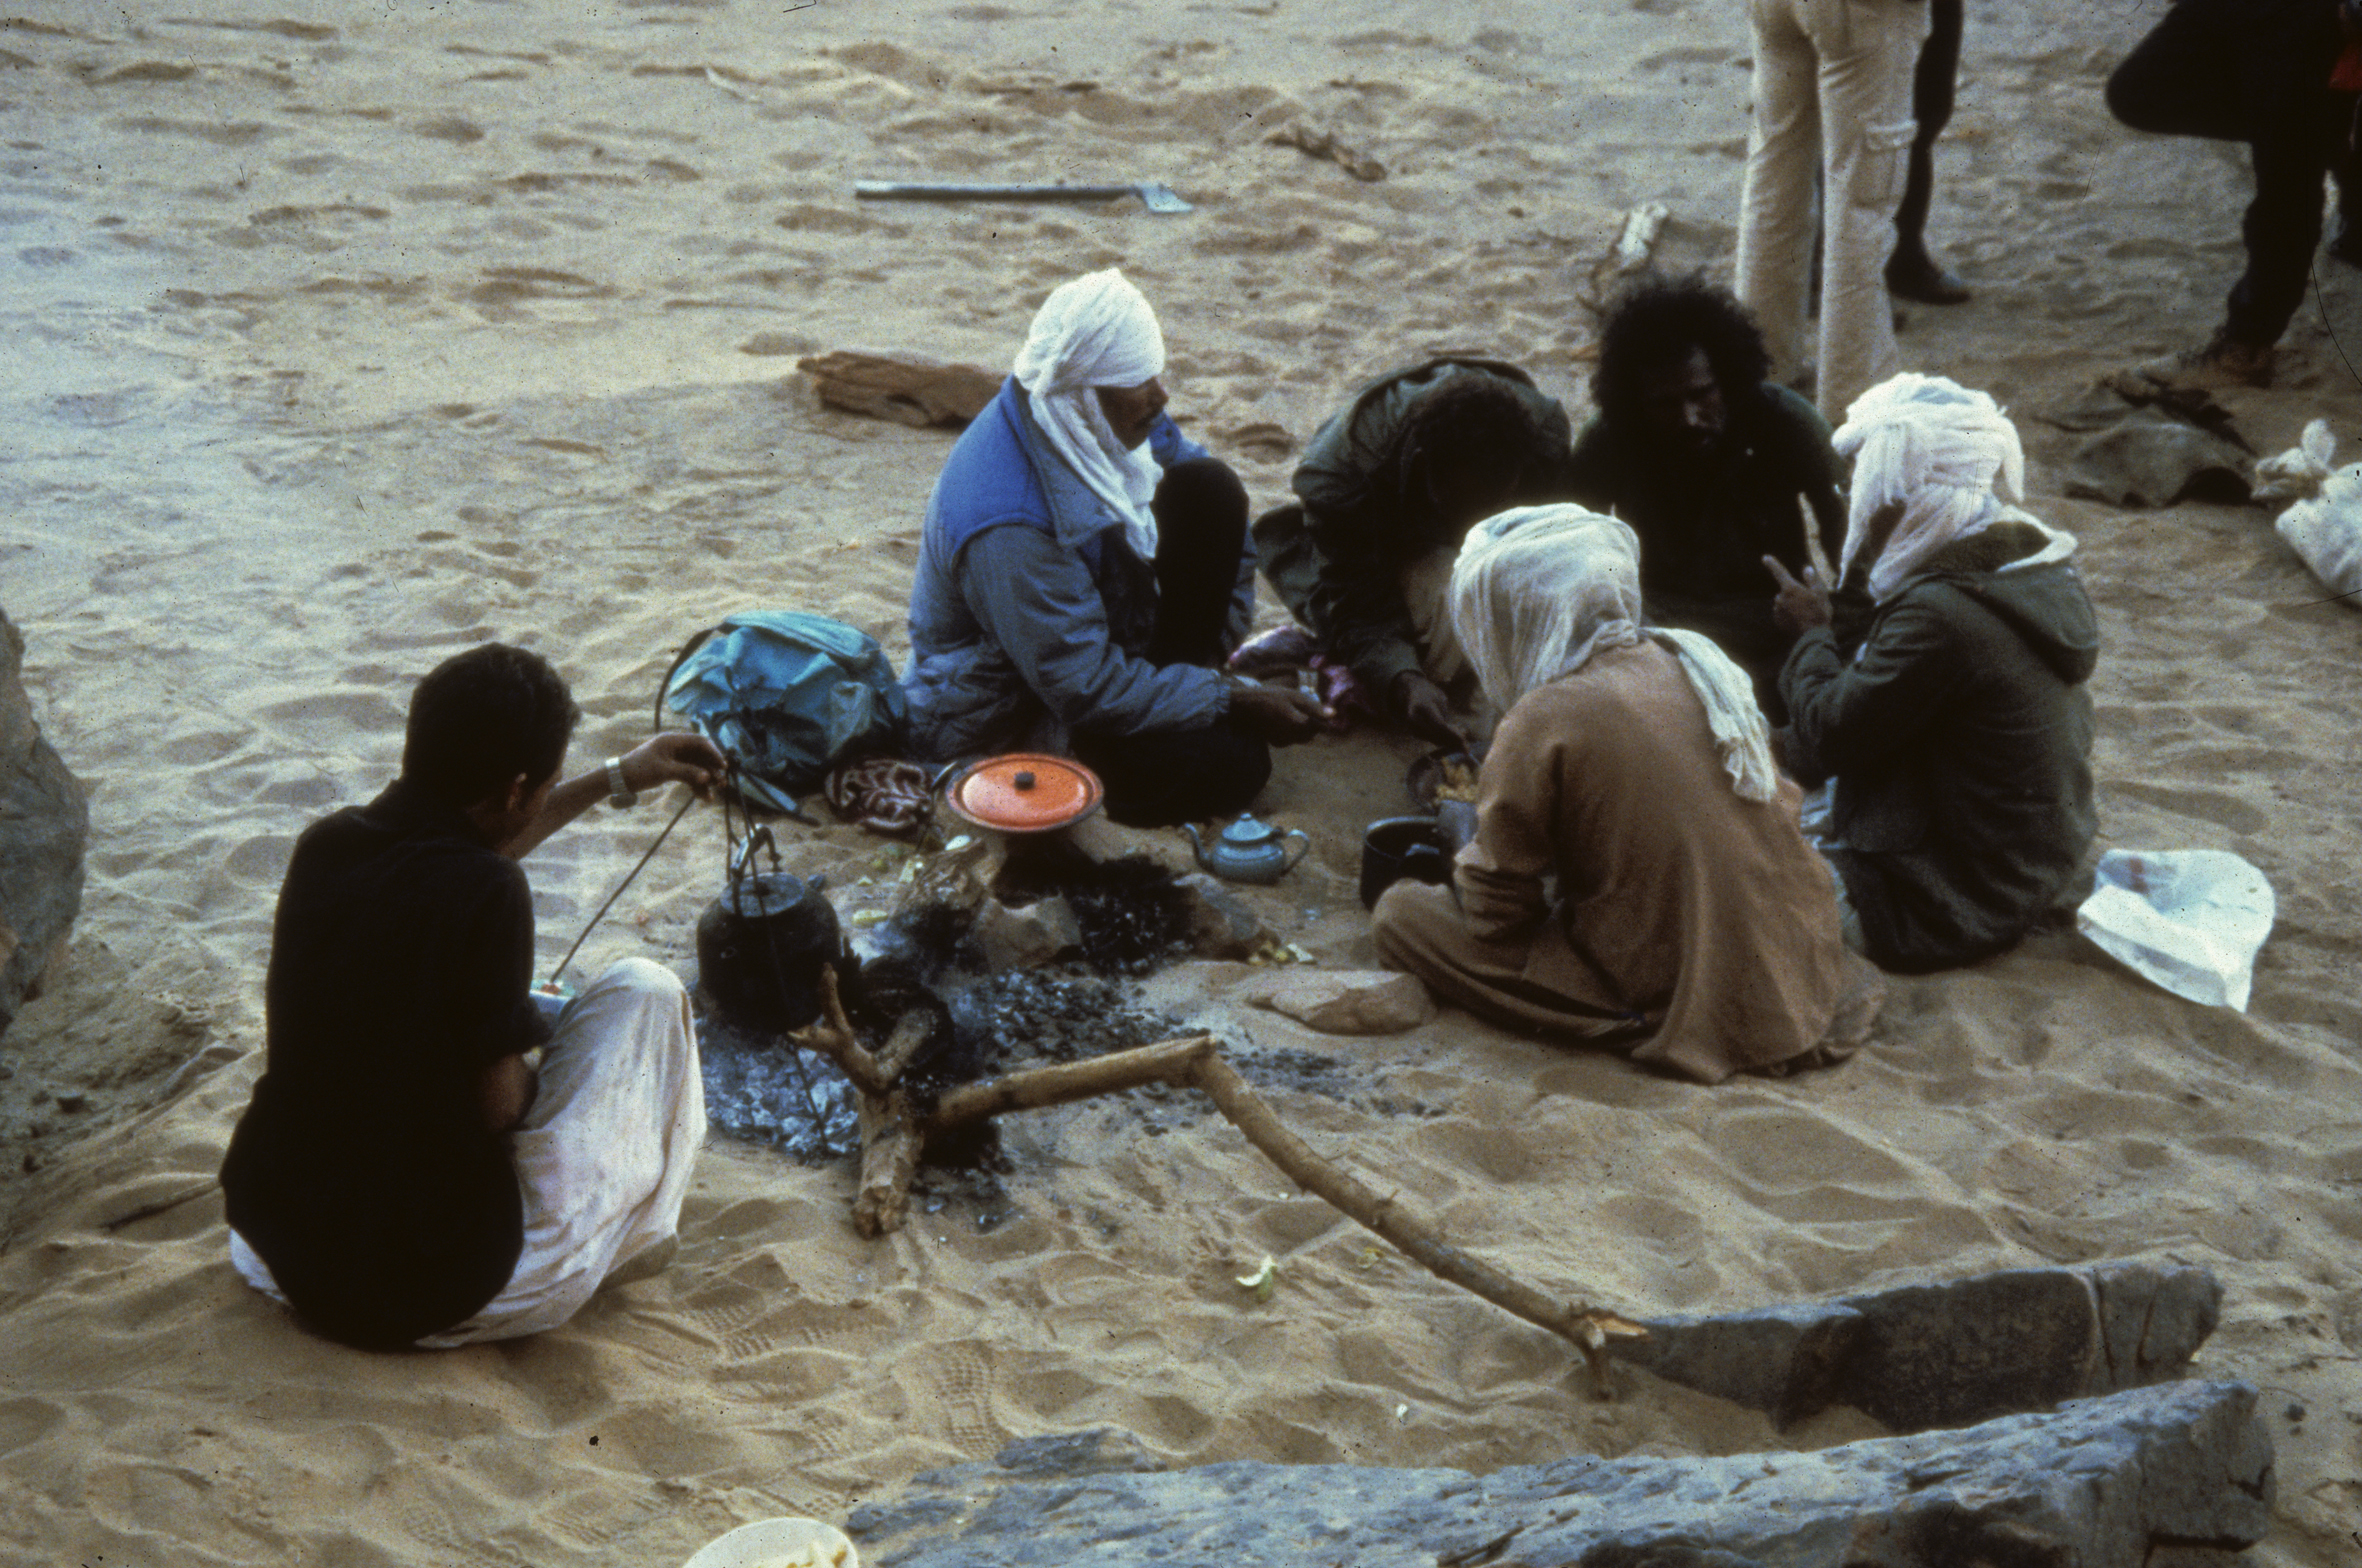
<point x="2224" y="362"/>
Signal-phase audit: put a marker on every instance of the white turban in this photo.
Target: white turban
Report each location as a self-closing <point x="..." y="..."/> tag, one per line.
<point x="1097" y="331"/>
<point x="1538" y="590"/>
<point x="1939" y="450"/>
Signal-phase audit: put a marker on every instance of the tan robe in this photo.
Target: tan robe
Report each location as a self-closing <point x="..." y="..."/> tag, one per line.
<point x="1682" y="913"/>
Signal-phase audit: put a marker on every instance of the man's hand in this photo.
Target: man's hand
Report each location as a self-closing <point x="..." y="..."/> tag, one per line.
<point x="505" y="1093"/>
<point x="675" y="757"/>
<point x="1798" y="607"/>
<point x="1425" y="711"/>
<point x="1276" y="716"/>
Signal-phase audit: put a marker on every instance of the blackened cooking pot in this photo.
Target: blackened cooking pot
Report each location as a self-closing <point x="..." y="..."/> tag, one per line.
<point x="761" y="947"/>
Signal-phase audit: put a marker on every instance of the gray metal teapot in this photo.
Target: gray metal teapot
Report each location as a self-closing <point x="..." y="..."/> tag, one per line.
<point x="1249" y="851"/>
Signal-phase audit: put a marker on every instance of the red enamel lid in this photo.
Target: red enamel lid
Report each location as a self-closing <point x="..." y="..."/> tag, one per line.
<point x="1024" y="792"/>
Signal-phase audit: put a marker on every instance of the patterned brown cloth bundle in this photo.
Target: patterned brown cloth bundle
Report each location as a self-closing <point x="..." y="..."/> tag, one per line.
<point x="885" y="796"/>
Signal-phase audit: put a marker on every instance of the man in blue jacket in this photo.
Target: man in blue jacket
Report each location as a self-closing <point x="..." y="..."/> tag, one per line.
<point x="1083" y="573"/>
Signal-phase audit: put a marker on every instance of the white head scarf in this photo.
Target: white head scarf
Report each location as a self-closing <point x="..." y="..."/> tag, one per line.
<point x="1097" y="331"/>
<point x="1941" y="451"/>
<point x="1538" y="590"/>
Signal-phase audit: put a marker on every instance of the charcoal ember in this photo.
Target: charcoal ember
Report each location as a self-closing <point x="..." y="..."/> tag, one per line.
<point x="1132" y="913"/>
<point x="760" y="1090"/>
<point x="1058" y="1014"/>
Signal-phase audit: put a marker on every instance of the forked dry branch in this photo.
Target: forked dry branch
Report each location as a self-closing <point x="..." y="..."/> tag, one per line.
<point x="892" y="1138"/>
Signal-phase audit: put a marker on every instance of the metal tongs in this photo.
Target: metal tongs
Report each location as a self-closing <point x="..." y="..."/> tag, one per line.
<point x="742" y="852"/>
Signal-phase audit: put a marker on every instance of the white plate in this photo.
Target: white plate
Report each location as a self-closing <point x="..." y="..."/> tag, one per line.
<point x="769" y="1542"/>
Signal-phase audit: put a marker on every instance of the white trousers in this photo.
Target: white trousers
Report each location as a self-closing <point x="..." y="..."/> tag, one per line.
<point x="1832" y="93"/>
<point x="604" y="1156"/>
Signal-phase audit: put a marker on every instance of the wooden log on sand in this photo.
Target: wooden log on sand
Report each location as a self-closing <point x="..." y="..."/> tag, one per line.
<point x="890" y="1138"/>
<point x="1171" y="1062"/>
<point x="1194" y="1063"/>
<point x="1589" y="1328"/>
<point x="907" y="388"/>
<point x="890" y="1145"/>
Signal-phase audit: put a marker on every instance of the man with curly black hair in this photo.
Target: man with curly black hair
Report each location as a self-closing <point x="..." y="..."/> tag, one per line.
<point x="1706" y="459"/>
<point x="1389" y="486"/>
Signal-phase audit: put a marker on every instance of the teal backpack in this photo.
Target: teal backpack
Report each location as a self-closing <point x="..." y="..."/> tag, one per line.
<point x="789" y="697"/>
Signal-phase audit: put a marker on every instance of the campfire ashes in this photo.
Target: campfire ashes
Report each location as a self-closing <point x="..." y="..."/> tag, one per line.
<point x="761" y="1089"/>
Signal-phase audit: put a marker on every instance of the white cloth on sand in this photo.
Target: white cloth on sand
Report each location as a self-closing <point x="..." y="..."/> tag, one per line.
<point x="1537" y="590"/>
<point x="604" y="1156"/>
<point x="1097" y="331"/>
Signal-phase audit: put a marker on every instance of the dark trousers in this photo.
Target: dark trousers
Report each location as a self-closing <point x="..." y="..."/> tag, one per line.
<point x="1932" y="82"/>
<point x="1166" y="776"/>
<point x="2253" y="71"/>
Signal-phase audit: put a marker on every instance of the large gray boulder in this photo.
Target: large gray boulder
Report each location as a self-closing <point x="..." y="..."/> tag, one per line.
<point x="44" y="827"/>
<point x="1947" y="1353"/>
<point x="2100" y="1483"/>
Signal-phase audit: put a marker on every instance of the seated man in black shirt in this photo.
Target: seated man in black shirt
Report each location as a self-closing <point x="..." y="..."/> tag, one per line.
<point x="1705" y="460"/>
<point x="402" y="1175"/>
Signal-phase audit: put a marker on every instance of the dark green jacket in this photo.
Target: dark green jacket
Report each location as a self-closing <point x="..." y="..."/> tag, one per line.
<point x="1336" y="559"/>
<point x="1960" y="740"/>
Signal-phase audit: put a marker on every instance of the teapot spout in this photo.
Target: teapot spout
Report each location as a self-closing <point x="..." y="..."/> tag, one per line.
<point x="1197" y="845"/>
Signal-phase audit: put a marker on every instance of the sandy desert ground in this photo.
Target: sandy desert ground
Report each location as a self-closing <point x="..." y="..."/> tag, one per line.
<point x="338" y="338"/>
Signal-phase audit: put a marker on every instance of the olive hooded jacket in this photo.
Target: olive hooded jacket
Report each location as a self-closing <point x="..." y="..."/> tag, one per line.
<point x="1335" y="558"/>
<point x="1960" y="739"/>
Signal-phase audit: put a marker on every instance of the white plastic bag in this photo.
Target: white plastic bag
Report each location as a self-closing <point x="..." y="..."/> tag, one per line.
<point x="2298" y="473"/>
<point x="2324" y="527"/>
<point x="2190" y="919"/>
<point x="2326" y="532"/>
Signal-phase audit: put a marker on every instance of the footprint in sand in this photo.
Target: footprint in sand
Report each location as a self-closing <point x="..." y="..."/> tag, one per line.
<point x="232" y="133"/>
<point x="510" y="285"/>
<point x="306" y="792"/>
<point x="27" y="1421"/>
<point x="1689" y="56"/>
<point x="145" y="71"/>
<point x="202" y="747"/>
<point x="362" y="711"/>
<point x="448" y="128"/>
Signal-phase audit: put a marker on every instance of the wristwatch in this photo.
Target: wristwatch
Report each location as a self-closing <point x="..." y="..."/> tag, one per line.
<point x="619" y="794"/>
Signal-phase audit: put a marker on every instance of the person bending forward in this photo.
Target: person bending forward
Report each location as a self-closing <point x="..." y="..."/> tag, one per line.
<point x="1083" y="573"/>
<point x="1386" y="491"/>
<point x="1690" y="920"/>
<point x="402" y="1177"/>
<point x="1956" y="724"/>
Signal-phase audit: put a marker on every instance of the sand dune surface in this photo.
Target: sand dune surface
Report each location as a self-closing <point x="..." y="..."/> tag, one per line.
<point x="339" y="339"/>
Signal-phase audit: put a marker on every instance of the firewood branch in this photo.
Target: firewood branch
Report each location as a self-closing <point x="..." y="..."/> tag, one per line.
<point x="1589" y="1328"/>
<point x="1194" y="1062"/>
<point x="1170" y="1061"/>
<point x="890" y="1145"/>
<point x="832" y="1036"/>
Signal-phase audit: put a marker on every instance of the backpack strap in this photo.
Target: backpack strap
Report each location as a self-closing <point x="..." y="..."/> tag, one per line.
<point x="665" y="686"/>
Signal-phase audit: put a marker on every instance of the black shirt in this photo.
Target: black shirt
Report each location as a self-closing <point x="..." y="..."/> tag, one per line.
<point x="362" y="1171"/>
<point x="1707" y="521"/>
